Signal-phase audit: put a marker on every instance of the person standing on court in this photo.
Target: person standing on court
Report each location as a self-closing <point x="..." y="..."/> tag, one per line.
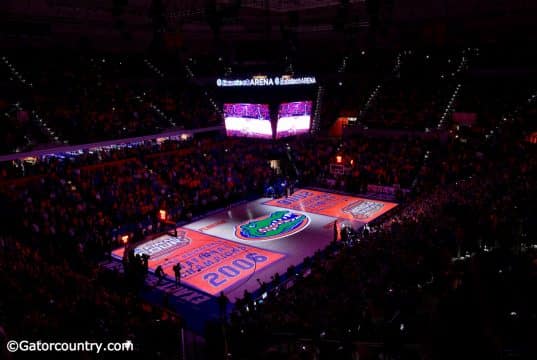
<point x="160" y="274"/>
<point x="335" y="231"/>
<point x="222" y="305"/>
<point x="177" y="272"/>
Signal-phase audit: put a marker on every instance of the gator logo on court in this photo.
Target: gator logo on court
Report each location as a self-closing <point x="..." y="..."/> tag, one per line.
<point x="162" y="246"/>
<point x="274" y="226"/>
<point x="363" y="209"/>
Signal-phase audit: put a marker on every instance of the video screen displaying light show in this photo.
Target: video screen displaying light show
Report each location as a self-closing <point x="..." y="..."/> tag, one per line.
<point x="248" y="120"/>
<point x="294" y="118"/>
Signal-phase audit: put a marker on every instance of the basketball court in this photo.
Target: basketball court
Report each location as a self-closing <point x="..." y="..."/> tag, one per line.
<point x="236" y="249"/>
<point x="233" y="250"/>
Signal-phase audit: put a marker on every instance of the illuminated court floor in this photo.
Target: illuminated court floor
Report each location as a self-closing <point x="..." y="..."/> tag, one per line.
<point x="232" y="250"/>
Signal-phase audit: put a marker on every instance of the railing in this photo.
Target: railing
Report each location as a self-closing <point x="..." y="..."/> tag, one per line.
<point x="463" y="65"/>
<point x="156" y="109"/>
<point x="170" y="135"/>
<point x="449" y="107"/>
<point x="153" y="68"/>
<point x="292" y="5"/>
<point x="377" y="89"/>
<point x="34" y="116"/>
<point x="317" y="114"/>
<point x="192" y="77"/>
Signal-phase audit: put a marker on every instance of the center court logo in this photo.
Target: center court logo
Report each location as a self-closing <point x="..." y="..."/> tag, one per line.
<point x="163" y="245"/>
<point x="276" y="225"/>
<point x="363" y="209"/>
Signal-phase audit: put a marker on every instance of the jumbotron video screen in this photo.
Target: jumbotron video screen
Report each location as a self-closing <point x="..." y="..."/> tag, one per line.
<point x="248" y="120"/>
<point x="294" y="118"/>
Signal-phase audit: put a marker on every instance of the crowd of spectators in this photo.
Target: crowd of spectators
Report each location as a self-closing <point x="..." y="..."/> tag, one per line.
<point x="18" y="132"/>
<point x="414" y="89"/>
<point x="108" y="96"/>
<point x="66" y="216"/>
<point x="407" y="90"/>
<point x="113" y="96"/>
<point x="454" y="272"/>
<point x="82" y="208"/>
<point x="51" y="299"/>
<point x="454" y="265"/>
<point x="12" y="129"/>
<point x="367" y="160"/>
<point x="413" y="97"/>
<point x="69" y="211"/>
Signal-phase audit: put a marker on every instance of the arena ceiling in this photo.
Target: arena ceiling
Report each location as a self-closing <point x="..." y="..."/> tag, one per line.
<point x="113" y="24"/>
